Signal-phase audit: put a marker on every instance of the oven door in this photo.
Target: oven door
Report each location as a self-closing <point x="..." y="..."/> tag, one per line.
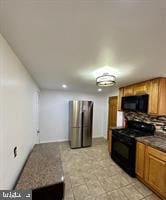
<point x="123" y="153"/>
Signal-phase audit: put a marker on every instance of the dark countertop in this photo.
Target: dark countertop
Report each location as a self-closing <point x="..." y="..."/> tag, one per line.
<point x="154" y="141"/>
<point x="43" y="167"/>
<point x="160" y="134"/>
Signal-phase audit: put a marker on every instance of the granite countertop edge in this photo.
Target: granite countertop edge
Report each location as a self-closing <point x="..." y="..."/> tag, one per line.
<point x="156" y="142"/>
<point x="31" y="167"/>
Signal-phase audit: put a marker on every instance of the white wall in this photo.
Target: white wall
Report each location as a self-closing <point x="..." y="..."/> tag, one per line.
<point x="120" y="118"/>
<point x="18" y="96"/>
<point x="54" y="114"/>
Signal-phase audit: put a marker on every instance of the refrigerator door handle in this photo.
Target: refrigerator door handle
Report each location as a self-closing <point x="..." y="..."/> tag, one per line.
<point x="82" y="127"/>
<point x="82" y="117"/>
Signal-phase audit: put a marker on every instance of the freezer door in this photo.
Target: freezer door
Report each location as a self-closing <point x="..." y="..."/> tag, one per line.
<point x="87" y="109"/>
<point x="75" y="137"/>
<point x="75" y="113"/>
<point x="87" y="137"/>
<point x="87" y="117"/>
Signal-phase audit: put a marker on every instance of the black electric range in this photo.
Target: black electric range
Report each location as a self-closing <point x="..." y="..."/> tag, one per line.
<point x="124" y="144"/>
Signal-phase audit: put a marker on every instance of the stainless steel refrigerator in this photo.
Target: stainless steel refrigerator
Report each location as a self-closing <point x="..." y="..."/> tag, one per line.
<point x="80" y="123"/>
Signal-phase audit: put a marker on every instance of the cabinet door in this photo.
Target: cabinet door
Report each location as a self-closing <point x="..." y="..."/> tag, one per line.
<point x="153" y="96"/>
<point x="140" y="88"/>
<point x="112" y="121"/>
<point x="129" y="91"/>
<point x="121" y="91"/>
<point x="110" y="141"/>
<point x="112" y="113"/>
<point x="140" y="159"/>
<point x="155" y="170"/>
<point x="162" y="97"/>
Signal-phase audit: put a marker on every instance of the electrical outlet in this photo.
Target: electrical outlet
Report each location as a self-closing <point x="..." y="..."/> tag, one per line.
<point x="15" y="151"/>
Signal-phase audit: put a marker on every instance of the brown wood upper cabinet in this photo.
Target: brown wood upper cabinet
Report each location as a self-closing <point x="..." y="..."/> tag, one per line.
<point x="129" y="91"/>
<point x="140" y="88"/>
<point x="157" y="96"/>
<point x="121" y="94"/>
<point x="156" y="88"/>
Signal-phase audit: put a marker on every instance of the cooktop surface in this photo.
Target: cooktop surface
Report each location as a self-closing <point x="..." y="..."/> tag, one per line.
<point x="132" y="132"/>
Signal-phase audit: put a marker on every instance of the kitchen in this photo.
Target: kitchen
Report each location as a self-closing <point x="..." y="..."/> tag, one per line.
<point x="83" y="99"/>
<point x="139" y="146"/>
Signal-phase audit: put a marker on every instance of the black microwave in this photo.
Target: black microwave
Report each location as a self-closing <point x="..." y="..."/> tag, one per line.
<point x="135" y="103"/>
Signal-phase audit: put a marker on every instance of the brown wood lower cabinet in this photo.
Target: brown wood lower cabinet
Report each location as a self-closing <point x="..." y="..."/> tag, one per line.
<point x="151" y="168"/>
<point x="110" y="141"/>
<point x="155" y="170"/>
<point x="140" y="159"/>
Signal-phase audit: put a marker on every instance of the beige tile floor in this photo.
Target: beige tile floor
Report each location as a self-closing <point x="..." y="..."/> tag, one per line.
<point x="90" y="174"/>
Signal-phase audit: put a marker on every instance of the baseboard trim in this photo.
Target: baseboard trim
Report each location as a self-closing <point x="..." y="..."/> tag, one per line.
<point x="65" y="140"/>
<point x="50" y="141"/>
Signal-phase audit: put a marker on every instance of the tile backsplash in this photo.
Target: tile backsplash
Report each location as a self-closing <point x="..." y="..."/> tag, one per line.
<point x="158" y="121"/>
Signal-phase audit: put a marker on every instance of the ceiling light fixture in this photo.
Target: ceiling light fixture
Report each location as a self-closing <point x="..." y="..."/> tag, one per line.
<point x="64" y="86"/>
<point x="99" y="89"/>
<point x="106" y="80"/>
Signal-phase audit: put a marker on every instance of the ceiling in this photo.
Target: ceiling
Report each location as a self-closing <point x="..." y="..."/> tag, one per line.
<point x="66" y="41"/>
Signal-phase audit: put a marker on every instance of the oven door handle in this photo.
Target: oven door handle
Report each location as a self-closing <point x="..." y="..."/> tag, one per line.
<point x="128" y="143"/>
<point x="119" y="139"/>
<point x="123" y="141"/>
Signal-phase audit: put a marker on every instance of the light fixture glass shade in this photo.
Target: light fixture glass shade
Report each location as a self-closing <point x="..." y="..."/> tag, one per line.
<point x="106" y="80"/>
